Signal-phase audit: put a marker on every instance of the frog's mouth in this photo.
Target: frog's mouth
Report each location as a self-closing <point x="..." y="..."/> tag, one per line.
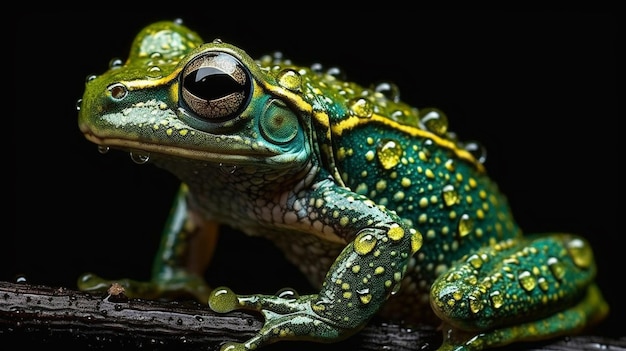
<point x="160" y="140"/>
<point x="219" y="154"/>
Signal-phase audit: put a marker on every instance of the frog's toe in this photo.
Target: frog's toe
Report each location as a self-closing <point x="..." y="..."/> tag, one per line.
<point x="287" y="317"/>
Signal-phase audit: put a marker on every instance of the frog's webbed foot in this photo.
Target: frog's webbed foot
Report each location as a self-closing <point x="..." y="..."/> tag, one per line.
<point x="533" y="289"/>
<point x="570" y="321"/>
<point x="182" y="285"/>
<point x="287" y="317"/>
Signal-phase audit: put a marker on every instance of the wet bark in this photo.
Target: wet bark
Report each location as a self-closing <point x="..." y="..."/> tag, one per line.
<point x="32" y="315"/>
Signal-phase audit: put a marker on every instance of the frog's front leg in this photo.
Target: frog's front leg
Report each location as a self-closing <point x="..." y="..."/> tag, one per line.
<point x="360" y="280"/>
<point x="518" y="290"/>
<point x="186" y="247"/>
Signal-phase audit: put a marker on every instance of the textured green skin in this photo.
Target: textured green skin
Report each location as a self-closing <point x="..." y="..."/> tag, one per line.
<point x="382" y="208"/>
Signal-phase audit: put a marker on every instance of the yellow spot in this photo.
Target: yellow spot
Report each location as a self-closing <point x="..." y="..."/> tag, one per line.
<point x="169" y="131"/>
<point x="422" y="156"/>
<point x="365" y="298"/>
<point x="356" y="268"/>
<point x="472" y="182"/>
<point x="480" y="214"/>
<point x="395" y="233"/>
<point x="369" y="155"/>
<point x="344" y="221"/>
<point x="399" y="196"/>
<point x="319" y="203"/>
<point x="429" y="173"/>
<point x="381" y="185"/>
<point x="423" y="202"/>
<point x="405" y="182"/>
<point x="345" y="286"/>
<point x="183" y="132"/>
<point x="422" y="218"/>
<point x="450" y="165"/>
<point x="379" y="270"/>
<point x="416" y="241"/>
<point x="347" y="295"/>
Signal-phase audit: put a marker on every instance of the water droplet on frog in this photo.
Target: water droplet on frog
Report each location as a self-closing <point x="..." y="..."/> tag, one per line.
<point x="477" y="150"/>
<point x="434" y="120"/>
<point x="228" y="169"/>
<point x="389" y="153"/>
<point x="557" y="268"/>
<point x="317" y="67"/>
<point x="526" y="280"/>
<point x="90" y="77"/>
<point x="178" y="21"/>
<point x="396" y="288"/>
<point x="287" y="293"/>
<point x="139" y="158"/>
<point x="450" y="195"/>
<point x="364" y="296"/>
<point x="361" y="108"/>
<point x="103" y="149"/>
<point x="428" y="146"/>
<point x="466" y="225"/>
<point x="496" y="299"/>
<point x="217" y="41"/>
<point x="364" y="243"/>
<point x="336" y="72"/>
<point x="389" y="90"/>
<point x="290" y="79"/>
<point x="78" y="103"/>
<point x="580" y="252"/>
<point x="116" y="63"/>
<point x="154" y="72"/>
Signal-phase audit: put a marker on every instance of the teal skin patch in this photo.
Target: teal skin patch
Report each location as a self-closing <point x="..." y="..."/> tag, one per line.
<point x="384" y="209"/>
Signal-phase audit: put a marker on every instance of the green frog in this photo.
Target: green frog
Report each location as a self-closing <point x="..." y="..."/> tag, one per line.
<point x="383" y="208"/>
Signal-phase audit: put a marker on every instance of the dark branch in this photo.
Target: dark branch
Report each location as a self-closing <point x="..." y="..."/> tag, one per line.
<point x="40" y="315"/>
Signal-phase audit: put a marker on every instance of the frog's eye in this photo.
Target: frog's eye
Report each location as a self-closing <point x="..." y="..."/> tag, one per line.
<point x="215" y="86"/>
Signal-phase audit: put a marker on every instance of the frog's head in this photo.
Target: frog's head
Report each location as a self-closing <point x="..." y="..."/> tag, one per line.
<point x="177" y="98"/>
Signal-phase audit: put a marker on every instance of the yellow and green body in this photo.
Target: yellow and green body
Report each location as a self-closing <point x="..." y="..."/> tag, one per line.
<point x="377" y="202"/>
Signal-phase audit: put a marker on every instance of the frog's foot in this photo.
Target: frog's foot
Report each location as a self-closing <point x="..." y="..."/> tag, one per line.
<point x="179" y="286"/>
<point x="570" y="321"/>
<point x="287" y="317"/>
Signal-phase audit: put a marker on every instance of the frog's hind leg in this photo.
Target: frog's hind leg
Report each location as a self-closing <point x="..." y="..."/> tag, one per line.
<point x="531" y="289"/>
<point x="186" y="248"/>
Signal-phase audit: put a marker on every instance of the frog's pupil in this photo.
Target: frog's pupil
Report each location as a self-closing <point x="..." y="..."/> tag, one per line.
<point x="210" y="83"/>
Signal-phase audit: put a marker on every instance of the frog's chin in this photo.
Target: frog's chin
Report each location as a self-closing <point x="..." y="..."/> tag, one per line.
<point x="230" y="155"/>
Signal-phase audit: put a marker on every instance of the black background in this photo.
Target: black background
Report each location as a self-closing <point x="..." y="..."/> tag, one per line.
<point x="536" y="88"/>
